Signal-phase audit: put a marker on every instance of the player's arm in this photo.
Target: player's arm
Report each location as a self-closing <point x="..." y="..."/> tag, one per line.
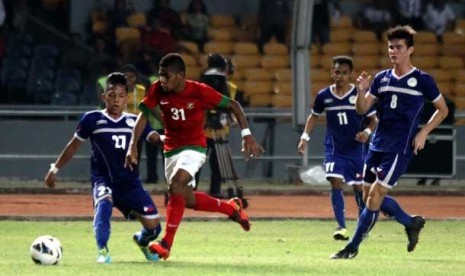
<point x="66" y="155"/>
<point x="364" y="101"/>
<point x="308" y="129"/>
<point x="250" y="147"/>
<point x="364" y="135"/>
<point x="141" y="122"/>
<point x="436" y="119"/>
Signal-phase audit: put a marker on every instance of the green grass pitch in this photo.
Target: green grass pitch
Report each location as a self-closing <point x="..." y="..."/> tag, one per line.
<point x="220" y="247"/>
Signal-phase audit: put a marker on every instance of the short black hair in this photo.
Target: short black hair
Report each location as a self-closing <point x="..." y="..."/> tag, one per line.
<point x="116" y="78"/>
<point x="405" y="32"/>
<point x="217" y="61"/>
<point x="344" y="60"/>
<point x="173" y="62"/>
<point x="129" y="68"/>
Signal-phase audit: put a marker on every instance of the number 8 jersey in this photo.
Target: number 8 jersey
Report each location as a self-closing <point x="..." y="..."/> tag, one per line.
<point x="400" y="103"/>
<point x="109" y="142"/>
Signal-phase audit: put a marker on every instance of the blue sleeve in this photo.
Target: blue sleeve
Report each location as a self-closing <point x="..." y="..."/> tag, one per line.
<point x="430" y="89"/>
<point x="147" y="130"/>
<point x="318" y="104"/>
<point x="84" y="127"/>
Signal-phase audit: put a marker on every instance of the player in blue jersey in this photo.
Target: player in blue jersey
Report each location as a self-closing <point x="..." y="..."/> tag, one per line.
<point x="344" y="138"/>
<point x="399" y="97"/>
<point x="113" y="185"/>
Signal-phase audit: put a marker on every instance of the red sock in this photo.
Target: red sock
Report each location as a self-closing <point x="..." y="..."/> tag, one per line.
<point x="174" y="214"/>
<point x="204" y="202"/>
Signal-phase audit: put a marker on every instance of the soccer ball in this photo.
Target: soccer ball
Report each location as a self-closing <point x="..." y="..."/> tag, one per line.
<point x="46" y="250"/>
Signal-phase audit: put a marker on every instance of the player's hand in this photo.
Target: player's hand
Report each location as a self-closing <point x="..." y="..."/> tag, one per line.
<point x="50" y="180"/>
<point x="363" y="81"/>
<point x="362" y="137"/>
<point x="131" y="157"/>
<point x="419" y="142"/>
<point x="250" y="148"/>
<point x="302" y="146"/>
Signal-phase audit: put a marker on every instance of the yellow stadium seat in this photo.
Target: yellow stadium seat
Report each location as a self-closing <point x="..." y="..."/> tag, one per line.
<point x="445" y="87"/>
<point x="202" y="60"/>
<point x="218" y="47"/>
<point x="341" y="35"/>
<point x="219" y="34"/>
<point x="326" y="62"/>
<point x="459" y="89"/>
<point x="453" y="50"/>
<point x="367" y="62"/>
<point x="282" y="101"/>
<point x="316" y="87"/>
<point x="314" y="49"/>
<point x="342" y="48"/>
<point x="99" y="26"/>
<point x="275" y="49"/>
<point x="342" y="22"/>
<point x="447" y="62"/>
<point x="283" y="74"/>
<point x="246" y="61"/>
<point x="124" y="33"/>
<point x="136" y="20"/>
<point x="275" y="61"/>
<point x="427" y="49"/>
<point x="459" y="75"/>
<point x="242" y="35"/>
<point x="425" y="63"/>
<point x="364" y="36"/>
<point x="315" y="61"/>
<point x="189" y="60"/>
<point x="260" y="100"/>
<point x="425" y="37"/>
<point x="320" y="75"/>
<point x="453" y="38"/>
<point x="190" y="46"/>
<point x="441" y="75"/>
<point x="365" y="48"/>
<point x="284" y="88"/>
<point x="385" y="62"/>
<point x="193" y="72"/>
<point x="245" y="48"/>
<point x="222" y="20"/>
<point x="257" y="74"/>
<point x="258" y="87"/>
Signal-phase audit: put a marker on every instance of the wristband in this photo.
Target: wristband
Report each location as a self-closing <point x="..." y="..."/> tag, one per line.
<point x="305" y="136"/>
<point x="53" y="169"/>
<point x="367" y="131"/>
<point x="245" y="132"/>
<point x="162" y="138"/>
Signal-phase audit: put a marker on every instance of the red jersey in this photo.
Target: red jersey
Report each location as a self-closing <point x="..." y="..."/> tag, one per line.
<point x="183" y="113"/>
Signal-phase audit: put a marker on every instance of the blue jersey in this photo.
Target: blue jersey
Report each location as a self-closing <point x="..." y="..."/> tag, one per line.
<point x="109" y="141"/>
<point x="342" y="122"/>
<point x="399" y="104"/>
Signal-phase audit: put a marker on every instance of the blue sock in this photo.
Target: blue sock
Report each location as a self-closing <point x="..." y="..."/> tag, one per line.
<point x="392" y="209"/>
<point x="337" y="202"/>
<point x="366" y="221"/>
<point x="102" y="217"/>
<point x="147" y="236"/>
<point x="359" y="200"/>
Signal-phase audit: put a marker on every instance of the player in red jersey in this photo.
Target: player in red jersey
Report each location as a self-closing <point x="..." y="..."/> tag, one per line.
<point x="183" y="104"/>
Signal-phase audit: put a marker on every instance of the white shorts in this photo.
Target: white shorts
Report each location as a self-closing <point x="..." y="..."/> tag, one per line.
<point x="188" y="160"/>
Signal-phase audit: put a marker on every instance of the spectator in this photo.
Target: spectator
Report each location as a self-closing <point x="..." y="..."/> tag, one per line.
<point x="168" y="17"/>
<point x="158" y="40"/>
<point x="75" y="56"/>
<point x="273" y="17"/>
<point x="119" y="14"/>
<point x="197" y="22"/>
<point x="438" y="18"/>
<point x="409" y="12"/>
<point x="377" y="17"/>
<point x="323" y="10"/>
<point x="98" y="61"/>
